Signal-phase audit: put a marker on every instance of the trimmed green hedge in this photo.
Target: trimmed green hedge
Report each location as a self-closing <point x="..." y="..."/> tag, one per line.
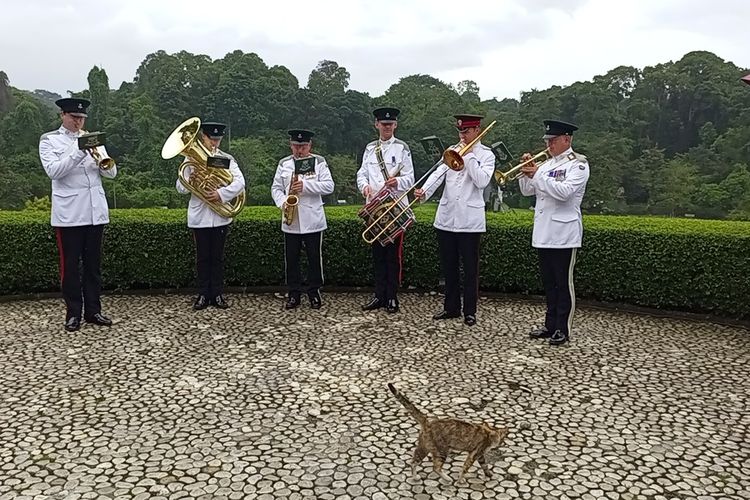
<point x="679" y="264"/>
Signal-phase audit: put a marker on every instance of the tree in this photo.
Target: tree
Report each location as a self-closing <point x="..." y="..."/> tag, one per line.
<point x="328" y="78"/>
<point x="675" y="188"/>
<point x="5" y="95"/>
<point x="99" y="96"/>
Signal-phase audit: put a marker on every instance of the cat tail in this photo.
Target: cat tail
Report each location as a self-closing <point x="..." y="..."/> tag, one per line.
<point x="420" y="417"/>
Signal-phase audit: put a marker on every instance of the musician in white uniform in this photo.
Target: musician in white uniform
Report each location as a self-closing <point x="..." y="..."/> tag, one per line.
<point x="386" y="164"/>
<point x="79" y="213"/>
<point x="307" y="176"/>
<point x="558" y="184"/>
<point x="209" y="228"/>
<point x="460" y="219"/>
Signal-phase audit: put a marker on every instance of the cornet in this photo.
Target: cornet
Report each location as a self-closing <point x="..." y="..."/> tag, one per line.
<point x="514" y="173"/>
<point x="93" y="142"/>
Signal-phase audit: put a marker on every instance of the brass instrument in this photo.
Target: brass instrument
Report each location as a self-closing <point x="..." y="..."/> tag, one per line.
<point x="452" y="157"/>
<point x="185" y="140"/>
<point x="514" y="173"/>
<point x="94" y="144"/>
<point x="290" y="205"/>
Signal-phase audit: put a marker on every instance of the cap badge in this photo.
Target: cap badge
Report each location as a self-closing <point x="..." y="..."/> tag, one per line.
<point x="460" y="122"/>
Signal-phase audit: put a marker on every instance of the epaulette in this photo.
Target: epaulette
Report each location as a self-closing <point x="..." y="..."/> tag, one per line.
<point x="406" y="146"/>
<point x="285" y="159"/>
<point x="371" y="145"/>
<point x="44" y="136"/>
<point x="577" y="156"/>
<point x="318" y="159"/>
<point x="484" y="147"/>
<point x="224" y="153"/>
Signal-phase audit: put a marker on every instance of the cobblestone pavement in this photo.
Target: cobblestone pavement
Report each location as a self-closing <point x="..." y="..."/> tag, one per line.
<point x="256" y="402"/>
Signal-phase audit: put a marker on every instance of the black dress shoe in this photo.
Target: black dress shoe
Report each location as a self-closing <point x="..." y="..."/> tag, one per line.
<point x="375" y="303"/>
<point x="540" y="333"/>
<point x="315" y="301"/>
<point x="445" y="315"/>
<point x="392" y="306"/>
<point x="220" y="302"/>
<point x="99" y="319"/>
<point x="200" y="303"/>
<point x="292" y="301"/>
<point x="558" y="338"/>
<point x="470" y="320"/>
<point x="73" y="324"/>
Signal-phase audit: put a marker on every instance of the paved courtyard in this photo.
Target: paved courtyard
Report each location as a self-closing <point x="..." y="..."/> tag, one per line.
<point x="255" y="402"/>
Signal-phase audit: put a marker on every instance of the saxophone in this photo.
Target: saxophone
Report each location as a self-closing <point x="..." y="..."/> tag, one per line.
<point x="290" y="205"/>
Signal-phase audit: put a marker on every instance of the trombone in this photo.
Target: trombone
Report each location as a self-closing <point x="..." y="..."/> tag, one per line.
<point x="452" y="158"/>
<point x="514" y="173"/>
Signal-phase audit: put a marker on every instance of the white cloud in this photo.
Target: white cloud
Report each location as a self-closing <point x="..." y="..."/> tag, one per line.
<point x="505" y="46"/>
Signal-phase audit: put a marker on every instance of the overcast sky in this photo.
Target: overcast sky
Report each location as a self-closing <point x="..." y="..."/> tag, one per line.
<point x="506" y="46"/>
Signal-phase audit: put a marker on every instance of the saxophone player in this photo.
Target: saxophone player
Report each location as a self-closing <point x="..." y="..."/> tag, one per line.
<point x="209" y="228"/>
<point x="79" y="213"/>
<point x="305" y="178"/>
<point x="386" y="164"/>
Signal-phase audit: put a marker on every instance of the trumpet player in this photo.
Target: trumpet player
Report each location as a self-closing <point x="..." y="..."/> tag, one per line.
<point x="306" y="178"/>
<point x="386" y="164"/>
<point x="460" y="220"/>
<point x="79" y="213"/>
<point x="209" y="228"/>
<point x="558" y="184"/>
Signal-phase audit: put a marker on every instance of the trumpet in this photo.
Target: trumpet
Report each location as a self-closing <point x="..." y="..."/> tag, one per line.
<point x="514" y="173"/>
<point x="290" y="205"/>
<point x="451" y="157"/>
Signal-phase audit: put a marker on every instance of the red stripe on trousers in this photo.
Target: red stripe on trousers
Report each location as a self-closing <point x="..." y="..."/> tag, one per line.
<point x="58" y="233"/>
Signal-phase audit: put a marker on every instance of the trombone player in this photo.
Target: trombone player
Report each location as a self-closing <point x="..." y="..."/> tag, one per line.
<point x="460" y="219"/>
<point x="209" y="228"/>
<point x="558" y="184"/>
<point x="306" y="178"/>
<point x="79" y="212"/>
<point x="386" y="164"/>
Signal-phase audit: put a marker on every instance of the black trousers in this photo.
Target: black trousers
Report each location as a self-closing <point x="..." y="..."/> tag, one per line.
<point x="292" y="248"/>
<point x="209" y="259"/>
<point x="387" y="265"/>
<point x="556" y="265"/>
<point x="81" y="291"/>
<point x="455" y="247"/>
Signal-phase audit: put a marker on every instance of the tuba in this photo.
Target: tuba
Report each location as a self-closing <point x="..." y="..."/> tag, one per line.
<point x="290" y="205"/>
<point x="185" y="140"/>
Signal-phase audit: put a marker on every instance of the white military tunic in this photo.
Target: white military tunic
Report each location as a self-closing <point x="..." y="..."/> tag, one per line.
<point x="77" y="193"/>
<point x="461" y="208"/>
<point x="397" y="158"/>
<point x="200" y="214"/>
<point x="558" y="185"/>
<point x="310" y="217"/>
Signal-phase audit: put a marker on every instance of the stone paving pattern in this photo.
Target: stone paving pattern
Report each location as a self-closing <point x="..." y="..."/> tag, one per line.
<point x="260" y="403"/>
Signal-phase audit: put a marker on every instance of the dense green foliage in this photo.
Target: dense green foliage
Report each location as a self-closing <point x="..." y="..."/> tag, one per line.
<point x="672" y="139"/>
<point x="691" y="265"/>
